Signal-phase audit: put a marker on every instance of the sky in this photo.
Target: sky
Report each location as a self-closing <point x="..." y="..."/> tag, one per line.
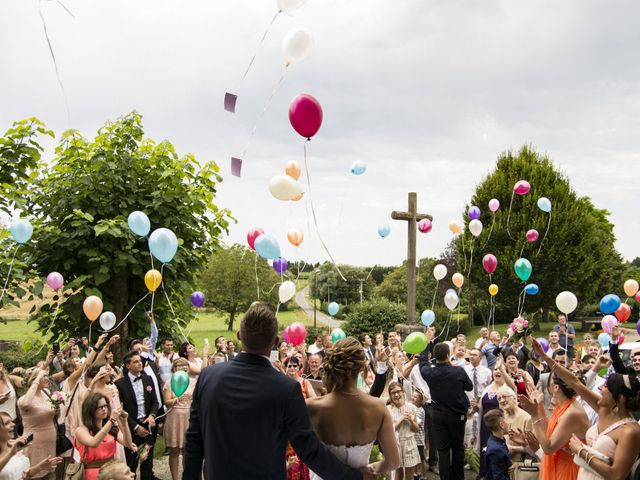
<point x="427" y="93"/>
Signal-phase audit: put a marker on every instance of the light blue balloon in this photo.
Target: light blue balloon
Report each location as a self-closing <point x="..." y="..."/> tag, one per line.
<point x="604" y="339"/>
<point x="163" y="244"/>
<point x="544" y="204"/>
<point x="139" y="223"/>
<point x="358" y="167"/>
<point x="531" y="289"/>
<point x="428" y="317"/>
<point x="21" y="230"/>
<point x="609" y="303"/>
<point x="267" y="246"/>
<point x="384" y="230"/>
<point x="333" y="308"/>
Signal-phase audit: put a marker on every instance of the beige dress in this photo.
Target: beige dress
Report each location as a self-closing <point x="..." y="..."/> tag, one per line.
<point x="409" y="455"/>
<point x="37" y="418"/>
<point x="177" y="422"/>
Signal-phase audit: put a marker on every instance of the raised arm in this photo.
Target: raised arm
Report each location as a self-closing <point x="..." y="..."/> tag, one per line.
<point x="388" y="444"/>
<point x="614" y="352"/>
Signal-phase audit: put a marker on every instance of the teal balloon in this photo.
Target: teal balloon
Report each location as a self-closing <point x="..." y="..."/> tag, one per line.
<point x="384" y="230"/>
<point x="267" y="246"/>
<point x="337" y="334"/>
<point x="604" y="339"/>
<point x="544" y="204"/>
<point x="523" y="269"/>
<point x="139" y="223"/>
<point x="163" y="244"/>
<point x="531" y="289"/>
<point x="179" y="383"/>
<point x="428" y="317"/>
<point x="333" y="308"/>
<point x="21" y="230"/>
<point x="415" y="343"/>
<point x="358" y="167"/>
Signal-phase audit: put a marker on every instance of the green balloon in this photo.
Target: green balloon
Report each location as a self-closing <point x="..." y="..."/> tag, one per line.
<point x="179" y="383"/>
<point x="415" y="343"/>
<point x="337" y="334"/>
<point x="523" y="269"/>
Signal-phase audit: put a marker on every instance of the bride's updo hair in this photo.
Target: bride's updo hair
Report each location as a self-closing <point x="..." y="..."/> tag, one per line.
<point x="342" y="363"/>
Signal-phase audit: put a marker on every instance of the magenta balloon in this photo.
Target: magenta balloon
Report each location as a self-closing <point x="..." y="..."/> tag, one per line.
<point x="489" y="263"/>
<point x="297" y="333"/>
<point x="522" y="187"/>
<point x="494" y="204"/>
<point x="285" y="335"/>
<point x="252" y="235"/>
<point x="532" y="235"/>
<point x="55" y="280"/>
<point x="305" y="115"/>
<point x="425" y="225"/>
<point x="474" y="213"/>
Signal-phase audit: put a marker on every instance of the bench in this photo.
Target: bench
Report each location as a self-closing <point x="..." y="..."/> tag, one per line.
<point x="587" y="323"/>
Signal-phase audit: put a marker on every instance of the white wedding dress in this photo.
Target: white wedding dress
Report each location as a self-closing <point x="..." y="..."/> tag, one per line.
<point x="356" y="456"/>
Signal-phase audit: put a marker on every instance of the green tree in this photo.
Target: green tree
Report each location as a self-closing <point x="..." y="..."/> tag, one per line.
<point x="229" y="281"/>
<point x="79" y="207"/>
<point x="327" y="285"/>
<point x="577" y="255"/>
<point x="374" y="316"/>
<point x="393" y="287"/>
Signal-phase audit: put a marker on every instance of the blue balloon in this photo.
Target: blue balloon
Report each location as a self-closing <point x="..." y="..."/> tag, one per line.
<point x="604" y="339"/>
<point x="267" y="246"/>
<point x="384" y="230"/>
<point x="358" y="167"/>
<point x="428" y="317"/>
<point x="531" y="289"/>
<point x="163" y="244"/>
<point x="333" y="308"/>
<point x="609" y="303"/>
<point x="139" y="223"/>
<point x="544" y="204"/>
<point x="21" y="230"/>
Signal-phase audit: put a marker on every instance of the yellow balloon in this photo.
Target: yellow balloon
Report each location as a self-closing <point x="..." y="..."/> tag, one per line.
<point x="152" y="279"/>
<point x="458" y="280"/>
<point x="92" y="307"/>
<point x="292" y="169"/>
<point x="493" y="289"/>
<point x="631" y="287"/>
<point x="455" y="227"/>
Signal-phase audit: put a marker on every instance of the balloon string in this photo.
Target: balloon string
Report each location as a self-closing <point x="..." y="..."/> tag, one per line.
<point x="261" y="114"/>
<point x="464" y="253"/>
<point x="545" y="234"/>
<point x="90" y="325"/>
<point x="255" y="54"/>
<point x="128" y="313"/>
<point x="165" y="413"/>
<point x="53" y="56"/>
<point x="471" y="256"/>
<point x="524" y="296"/>
<point x="509" y="216"/>
<point x="445" y="326"/>
<point x="151" y="256"/>
<point x="173" y="312"/>
<point x="55" y="315"/>
<point x="192" y="323"/>
<point x="313" y="211"/>
<point x="255" y="269"/>
<point x="435" y="290"/>
<point x="493" y="221"/>
<point x="522" y="249"/>
<point x="6" y="282"/>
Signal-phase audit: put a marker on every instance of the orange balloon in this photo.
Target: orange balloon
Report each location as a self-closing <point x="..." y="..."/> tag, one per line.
<point x="152" y="279"/>
<point x="295" y="237"/>
<point x="631" y="287"/>
<point x="457" y="279"/>
<point x="292" y="169"/>
<point x="297" y="197"/>
<point x="92" y="307"/>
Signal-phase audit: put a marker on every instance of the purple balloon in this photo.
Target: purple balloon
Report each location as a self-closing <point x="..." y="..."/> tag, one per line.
<point x="638" y="327"/>
<point x="197" y="299"/>
<point x="280" y="265"/>
<point x="544" y="343"/>
<point x="55" y="280"/>
<point x="474" y="213"/>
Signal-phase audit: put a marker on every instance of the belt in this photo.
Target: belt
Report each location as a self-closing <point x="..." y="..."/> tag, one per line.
<point x="96" y="463"/>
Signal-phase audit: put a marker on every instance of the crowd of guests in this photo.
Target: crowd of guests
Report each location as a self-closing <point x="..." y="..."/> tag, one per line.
<point x="496" y="399"/>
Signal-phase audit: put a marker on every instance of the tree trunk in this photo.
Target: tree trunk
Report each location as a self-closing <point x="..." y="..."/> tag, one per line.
<point x="232" y="315"/>
<point x="120" y="288"/>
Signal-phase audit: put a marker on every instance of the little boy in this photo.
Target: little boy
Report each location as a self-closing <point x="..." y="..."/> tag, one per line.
<point x="497" y="453"/>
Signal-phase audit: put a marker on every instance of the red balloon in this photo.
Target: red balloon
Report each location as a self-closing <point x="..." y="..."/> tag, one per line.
<point x="297" y="333"/>
<point x="305" y="115"/>
<point x="489" y="263"/>
<point x="425" y="225"/>
<point x="532" y="235"/>
<point x="252" y="235"/>
<point x="623" y="312"/>
<point x="638" y="297"/>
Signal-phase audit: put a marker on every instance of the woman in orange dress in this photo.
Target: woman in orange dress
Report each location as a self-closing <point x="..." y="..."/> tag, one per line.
<point x="568" y="418"/>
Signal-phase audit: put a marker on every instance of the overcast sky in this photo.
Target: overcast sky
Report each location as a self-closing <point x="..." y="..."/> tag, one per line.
<point x="426" y="92"/>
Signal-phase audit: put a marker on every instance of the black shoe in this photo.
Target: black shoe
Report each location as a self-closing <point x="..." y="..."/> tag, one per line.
<point x="166" y="452"/>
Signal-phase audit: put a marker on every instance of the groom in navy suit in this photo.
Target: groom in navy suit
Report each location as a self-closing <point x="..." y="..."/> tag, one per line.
<point x="244" y="412"/>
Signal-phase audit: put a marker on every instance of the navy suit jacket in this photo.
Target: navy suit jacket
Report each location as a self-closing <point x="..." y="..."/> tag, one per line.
<point x="243" y="415"/>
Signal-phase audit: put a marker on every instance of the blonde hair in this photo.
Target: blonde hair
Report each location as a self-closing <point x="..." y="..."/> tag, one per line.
<point x="342" y="363"/>
<point x="180" y="361"/>
<point x="108" y="470"/>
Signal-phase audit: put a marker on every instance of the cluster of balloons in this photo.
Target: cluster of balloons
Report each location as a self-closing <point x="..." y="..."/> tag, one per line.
<point x="286" y="187"/>
<point x="264" y="244"/>
<point x="333" y="309"/>
<point x="21" y="230"/>
<point x="163" y="243"/>
<point x="305" y="115"/>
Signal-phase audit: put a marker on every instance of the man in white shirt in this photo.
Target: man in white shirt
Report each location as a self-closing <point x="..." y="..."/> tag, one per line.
<point x="316" y="347"/>
<point x="484" y="338"/>
<point x="480" y="377"/>
<point x="554" y="342"/>
<point x="164" y="360"/>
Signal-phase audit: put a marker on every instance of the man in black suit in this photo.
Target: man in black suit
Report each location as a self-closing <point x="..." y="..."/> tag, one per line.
<point x="138" y="398"/>
<point x="244" y="412"/>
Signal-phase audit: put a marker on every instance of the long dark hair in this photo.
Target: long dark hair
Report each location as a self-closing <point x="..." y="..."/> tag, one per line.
<point x="89" y="407"/>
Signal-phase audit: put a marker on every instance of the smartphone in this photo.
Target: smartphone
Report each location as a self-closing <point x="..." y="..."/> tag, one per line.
<point x="273" y="356"/>
<point x="30" y="438"/>
<point x="55" y="347"/>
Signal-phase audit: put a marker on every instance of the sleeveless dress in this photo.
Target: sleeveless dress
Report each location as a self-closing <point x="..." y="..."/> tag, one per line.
<point x="558" y="465"/>
<point x="177" y="421"/>
<point x="603" y="443"/>
<point x="356" y="456"/>
<point x="37" y="418"/>
<point x="105" y="451"/>
<point x="18" y="464"/>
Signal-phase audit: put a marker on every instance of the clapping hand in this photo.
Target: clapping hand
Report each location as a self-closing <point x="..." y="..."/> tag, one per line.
<point x="518" y="437"/>
<point x="529" y="405"/>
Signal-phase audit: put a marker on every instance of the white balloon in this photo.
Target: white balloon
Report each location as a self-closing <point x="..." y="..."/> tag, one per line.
<point x="107" y="320"/>
<point x="286" y="291"/>
<point x="451" y="300"/>
<point x="566" y="302"/>
<point x="439" y="271"/>
<point x="297" y="45"/>
<point x="475" y="227"/>
<point x="289" y="5"/>
<point x="283" y="187"/>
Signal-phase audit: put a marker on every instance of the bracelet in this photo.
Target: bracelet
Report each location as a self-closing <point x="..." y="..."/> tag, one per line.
<point x="589" y="459"/>
<point x="580" y="451"/>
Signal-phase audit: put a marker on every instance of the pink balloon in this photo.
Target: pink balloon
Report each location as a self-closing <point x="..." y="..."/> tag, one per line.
<point x="297" y="333"/>
<point x="638" y="297"/>
<point x="522" y="187"/>
<point x="305" y="115"/>
<point x="608" y="322"/>
<point x="55" y="280"/>
<point x="494" y="204"/>
<point x="425" y="225"/>
<point x="489" y="263"/>
<point x="252" y="235"/>
<point x="285" y="335"/>
<point x="532" y="235"/>
<point x="621" y="339"/>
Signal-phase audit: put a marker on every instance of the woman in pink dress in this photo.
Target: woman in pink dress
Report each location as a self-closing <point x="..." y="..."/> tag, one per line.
<point x="95" y="440"/>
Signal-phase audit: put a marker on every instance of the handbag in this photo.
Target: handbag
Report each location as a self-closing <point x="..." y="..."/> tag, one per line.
<point x="62" y="441"/>
<point x="75" y="471"/>
<point x="526" y="470"/>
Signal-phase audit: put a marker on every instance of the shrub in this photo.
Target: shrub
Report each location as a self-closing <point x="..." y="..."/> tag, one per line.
<point x="16" y="357"/>
<point x="374" y="316"/>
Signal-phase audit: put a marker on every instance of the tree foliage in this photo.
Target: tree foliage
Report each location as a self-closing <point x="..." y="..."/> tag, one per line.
<point x="374" y="316"/>
<point x="327" y="285"/>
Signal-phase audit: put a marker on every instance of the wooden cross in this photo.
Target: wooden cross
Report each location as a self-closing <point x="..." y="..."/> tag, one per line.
<point x="412" y="217"/>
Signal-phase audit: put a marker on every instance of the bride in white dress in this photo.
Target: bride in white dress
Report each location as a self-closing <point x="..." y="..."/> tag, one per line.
<point x="347" y="420"/>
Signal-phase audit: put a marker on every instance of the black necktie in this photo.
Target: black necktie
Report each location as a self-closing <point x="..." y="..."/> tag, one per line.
<point x="137" y="379"/>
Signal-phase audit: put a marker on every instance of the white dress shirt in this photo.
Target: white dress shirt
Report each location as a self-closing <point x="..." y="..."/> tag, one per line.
<point x="483" y="378"/>
<point x="138" y="389"/>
